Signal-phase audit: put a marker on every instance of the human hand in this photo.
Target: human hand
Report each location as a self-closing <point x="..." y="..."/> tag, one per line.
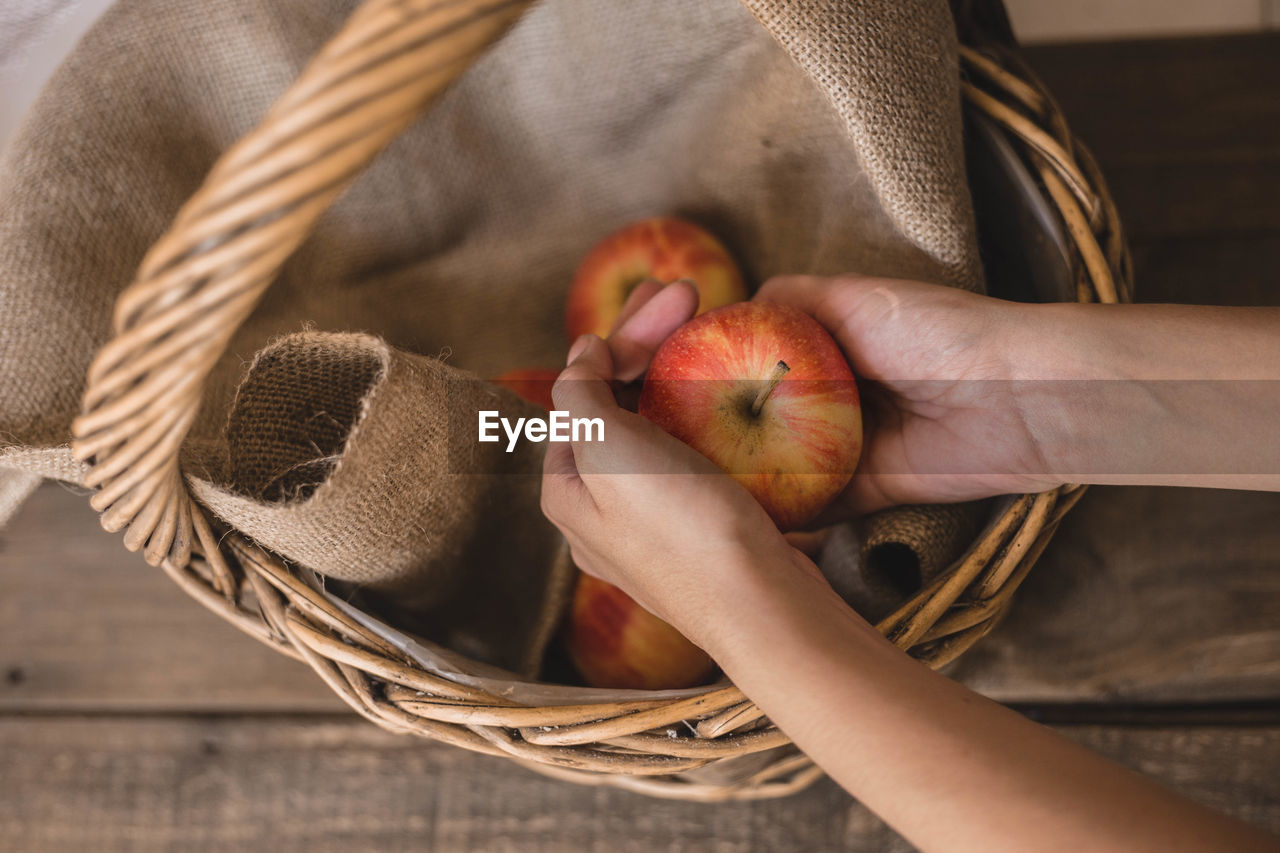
<point x="641" y="509"/>
<point x="941" y="420"/>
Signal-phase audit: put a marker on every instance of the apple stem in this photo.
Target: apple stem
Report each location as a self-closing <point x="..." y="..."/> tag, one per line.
<point x="779" y="370"/>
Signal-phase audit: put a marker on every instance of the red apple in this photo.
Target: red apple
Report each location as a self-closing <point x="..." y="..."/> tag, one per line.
<point x="614" y="642"/>
<point x="665" y="249"/>
<point x="530" y="383"/>
<point x="763" y="391"/>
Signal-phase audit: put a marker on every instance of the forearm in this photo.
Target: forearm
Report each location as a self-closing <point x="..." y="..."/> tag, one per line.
<point x="1152" y="394"/>
<point x="947" y="768"/>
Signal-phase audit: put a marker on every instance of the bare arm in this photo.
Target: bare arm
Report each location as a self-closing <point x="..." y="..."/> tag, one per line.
<point x="947" y="768"/>
<point x="1173" y="395"/>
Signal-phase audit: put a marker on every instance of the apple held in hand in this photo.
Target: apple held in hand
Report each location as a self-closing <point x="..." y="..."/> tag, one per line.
<point x="665" y="249"/>
<point x="530" y="383"/>
<point x="614" y="642"/>
<point x="762" y="391"/>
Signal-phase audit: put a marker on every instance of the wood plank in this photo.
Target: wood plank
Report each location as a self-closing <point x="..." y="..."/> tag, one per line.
<point x="86" y="624"/>
<point x="1228" y="271"/>
<point x="254" y="784"/>
<point x="1172" y="201"/>
<point x="1189" y="100"/>
<point x="1187" y="131"/>
<point x="269" y="785"/>
<point x="1145" y="594"/>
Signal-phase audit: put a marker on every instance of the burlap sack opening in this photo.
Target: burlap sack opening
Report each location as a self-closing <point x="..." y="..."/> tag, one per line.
<point x="879" y="561"/>
<point x="326" y="428"/>
<point x="825" y="142"/>
<point x="297" y="408"/>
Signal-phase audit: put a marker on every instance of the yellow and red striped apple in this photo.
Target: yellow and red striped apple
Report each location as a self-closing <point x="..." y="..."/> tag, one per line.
<point x="614" y="642"/>
<point x="666" y="249"/>
<point x="763" y="391"/>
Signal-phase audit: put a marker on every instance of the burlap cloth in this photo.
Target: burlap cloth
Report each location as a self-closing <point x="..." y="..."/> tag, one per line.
<point x="824" y="142"/>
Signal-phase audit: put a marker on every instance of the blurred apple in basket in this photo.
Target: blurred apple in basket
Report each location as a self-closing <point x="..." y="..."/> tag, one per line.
<point x="530" y="383"/>
<point x="614" y="642"/>
<point x="665" y="249"/>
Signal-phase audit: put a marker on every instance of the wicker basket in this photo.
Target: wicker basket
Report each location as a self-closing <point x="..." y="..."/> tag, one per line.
<point x="256" y="207"/>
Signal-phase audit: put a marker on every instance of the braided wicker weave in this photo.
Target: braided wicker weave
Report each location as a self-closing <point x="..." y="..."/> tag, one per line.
<point x="205" y="276"/>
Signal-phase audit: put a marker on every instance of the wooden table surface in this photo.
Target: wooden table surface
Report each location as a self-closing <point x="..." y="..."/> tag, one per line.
<point x="131" y="719"/>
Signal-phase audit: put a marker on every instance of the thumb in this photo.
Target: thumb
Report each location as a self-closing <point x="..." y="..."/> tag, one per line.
<point x="583" y="386"/>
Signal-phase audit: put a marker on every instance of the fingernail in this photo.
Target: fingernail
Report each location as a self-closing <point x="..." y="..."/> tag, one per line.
<point x="579" y="345"/>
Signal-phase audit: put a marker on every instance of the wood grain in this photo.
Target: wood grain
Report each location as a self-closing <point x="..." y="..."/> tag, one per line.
<point x="1163" y="202"/>
<point x="84" y="624"/>
<point x="155" y="784"/>
<point x="1233" y="270"/>
<point x="152" y="784"/>
<point x="1146" y="594"/>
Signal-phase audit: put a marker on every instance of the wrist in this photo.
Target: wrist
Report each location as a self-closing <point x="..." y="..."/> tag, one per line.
<point x="1053" y="359"/>
<point x="1129" y="394"/>
<point x="776" y="606"/>
<point x="733" y="615"/>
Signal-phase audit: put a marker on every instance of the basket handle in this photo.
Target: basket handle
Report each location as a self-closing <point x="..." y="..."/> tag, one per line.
<point x="203" y="278"/>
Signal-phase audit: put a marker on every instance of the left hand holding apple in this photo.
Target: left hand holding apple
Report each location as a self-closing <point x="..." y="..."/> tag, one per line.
<point x="641" y="509"/>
